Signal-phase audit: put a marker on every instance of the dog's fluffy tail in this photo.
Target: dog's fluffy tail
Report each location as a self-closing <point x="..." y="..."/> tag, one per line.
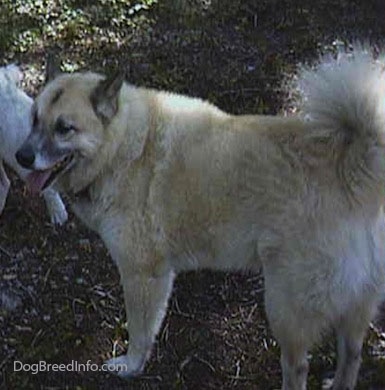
<point x="344" y="97"/>
<point x="345" y="94"/>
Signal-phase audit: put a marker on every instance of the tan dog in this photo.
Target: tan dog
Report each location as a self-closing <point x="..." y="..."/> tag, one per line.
<point x="172" y="183"/>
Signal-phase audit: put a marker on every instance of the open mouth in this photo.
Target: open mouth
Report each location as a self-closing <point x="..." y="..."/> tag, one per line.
<point x="38" y="181"/>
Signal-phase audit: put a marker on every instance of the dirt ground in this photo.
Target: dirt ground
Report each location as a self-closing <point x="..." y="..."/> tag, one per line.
<point x="60" y="299"/>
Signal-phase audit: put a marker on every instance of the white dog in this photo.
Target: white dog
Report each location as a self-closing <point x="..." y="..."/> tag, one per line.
<point x="15" y="108"/>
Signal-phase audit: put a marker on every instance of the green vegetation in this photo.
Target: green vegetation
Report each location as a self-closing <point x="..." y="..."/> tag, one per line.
<point x="35" y="25"/>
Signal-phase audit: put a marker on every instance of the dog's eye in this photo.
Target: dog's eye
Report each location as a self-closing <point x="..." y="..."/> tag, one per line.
<point x="63" y="128"/>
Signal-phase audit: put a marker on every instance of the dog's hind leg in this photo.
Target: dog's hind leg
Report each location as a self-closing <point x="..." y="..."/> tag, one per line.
<point x="55" y="206"/>
<point x="294" y="365"/>
<point x="146" y="300"/>
<point x="4" y="186"/>
<point x="291" y="330"/>
<point x="351" y="331"/>
<point x="295" y="322"/>
<point x="294" y="347"/>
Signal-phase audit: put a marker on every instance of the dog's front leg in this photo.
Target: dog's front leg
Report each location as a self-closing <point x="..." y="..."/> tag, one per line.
<point x="146" y="300"/>
<point x="4" y="186"/>
<point x="56" y="208"/>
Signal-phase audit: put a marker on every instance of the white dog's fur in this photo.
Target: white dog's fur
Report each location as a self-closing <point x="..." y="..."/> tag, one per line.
<point x="173" y="183"/>
<point x="15" y="126"/>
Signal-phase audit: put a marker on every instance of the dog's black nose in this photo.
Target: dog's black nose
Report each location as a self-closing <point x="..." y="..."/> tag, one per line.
<point x="25" y="156"/>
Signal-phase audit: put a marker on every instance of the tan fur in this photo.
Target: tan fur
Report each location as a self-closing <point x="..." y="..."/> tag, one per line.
<point x="173" y="183"/>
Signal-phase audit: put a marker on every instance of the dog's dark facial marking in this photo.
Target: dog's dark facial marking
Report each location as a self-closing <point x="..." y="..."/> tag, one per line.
<point x="57" y="96"/>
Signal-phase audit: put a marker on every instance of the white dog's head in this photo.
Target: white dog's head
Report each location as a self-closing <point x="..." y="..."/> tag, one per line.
<point x="12" y="72"/>
<point x="15" y="108"/>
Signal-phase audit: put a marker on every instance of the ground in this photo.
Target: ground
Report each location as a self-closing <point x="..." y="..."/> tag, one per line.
<point x="59" y="291"/>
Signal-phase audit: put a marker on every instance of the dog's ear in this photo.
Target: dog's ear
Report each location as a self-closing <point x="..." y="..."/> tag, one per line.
<point x="104" y="97"/>
<point x="52" y="67"/>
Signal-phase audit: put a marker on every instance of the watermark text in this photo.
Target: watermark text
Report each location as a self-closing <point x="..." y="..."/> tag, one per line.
<point x="73" y="366"/>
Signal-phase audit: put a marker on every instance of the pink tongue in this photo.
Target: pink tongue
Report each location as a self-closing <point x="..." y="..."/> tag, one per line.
<point x="36" y="180"/>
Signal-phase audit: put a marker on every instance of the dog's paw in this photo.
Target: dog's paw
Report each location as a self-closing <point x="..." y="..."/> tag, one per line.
<point x="59" y="216"/>
<point x="125" y="366"/>
<point x="56" y="208"/>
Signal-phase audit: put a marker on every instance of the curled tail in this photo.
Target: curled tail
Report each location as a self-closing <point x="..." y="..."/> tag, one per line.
<point x="346" y="93"/>
<point x="344" y="97"/>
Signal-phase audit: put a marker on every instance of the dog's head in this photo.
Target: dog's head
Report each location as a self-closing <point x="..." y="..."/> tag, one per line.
<point x="12" y="73"/>
<point x="15" y="106"/>
<point x="14" y="102"/>
<point x="69" y="119"/>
